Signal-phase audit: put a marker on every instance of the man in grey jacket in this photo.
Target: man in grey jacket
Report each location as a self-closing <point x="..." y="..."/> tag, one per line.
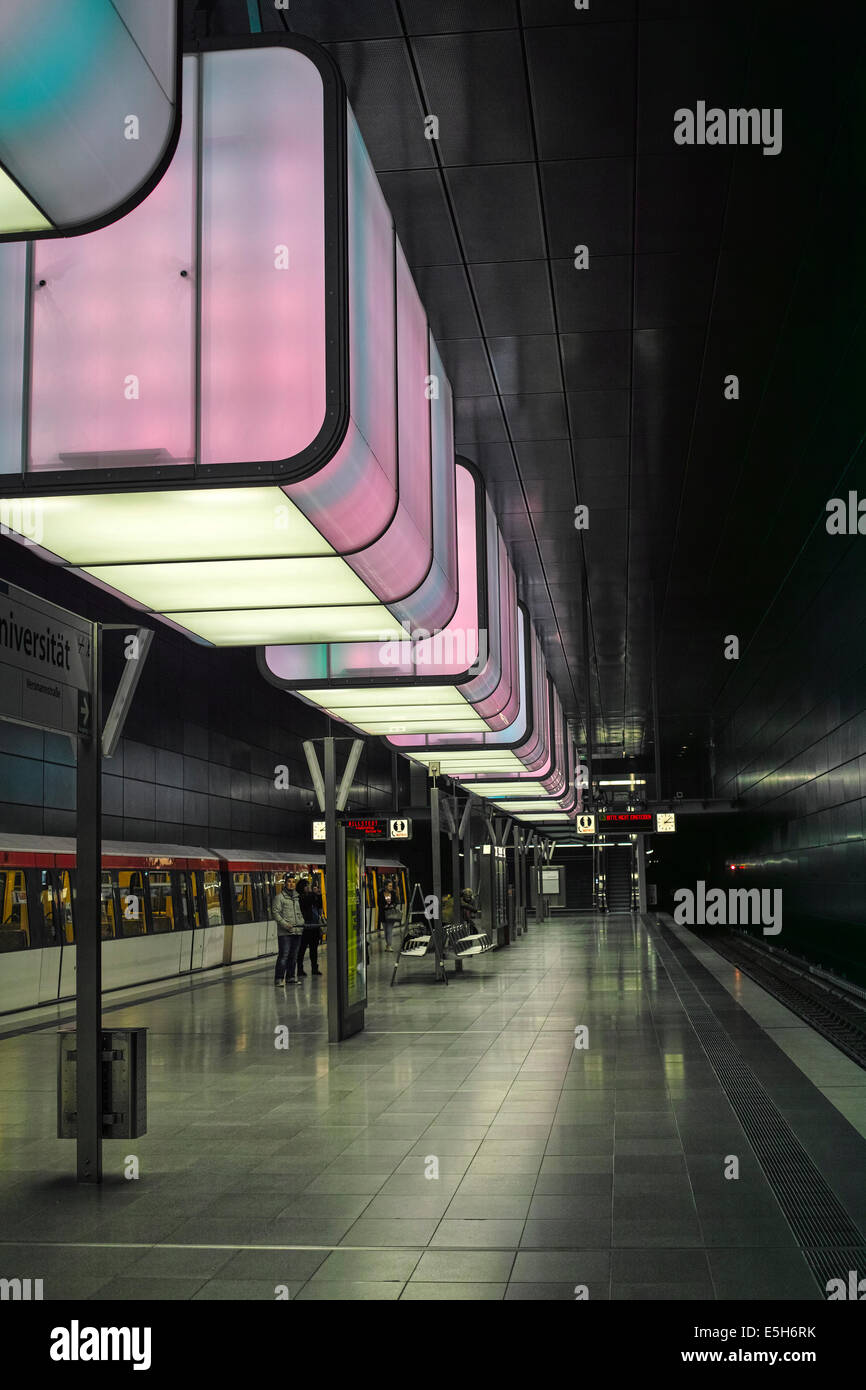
<point x="290" y="926"/>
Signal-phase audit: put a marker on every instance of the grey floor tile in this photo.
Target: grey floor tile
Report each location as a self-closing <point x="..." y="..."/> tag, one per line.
<point x="273" y="1266"/>
<point x="418" y="1292"/>
<point x="485" y="1234"/>
<point x="334" y="1291"/>
<point x="569" y="1267"/>
<point x="590" y="1233"/>
<point x="384" y="1230"/>
<point x="474" y="1207"/>
<point x="464" y="1266"/>
<point x="367" y="1266"/>
<point x="151" y="1290"/>
<point x="674" y="1232"/>
<point x="661" y="1293"/>
<point x="776" y="1275"/>
<point x="242" y="1291"/>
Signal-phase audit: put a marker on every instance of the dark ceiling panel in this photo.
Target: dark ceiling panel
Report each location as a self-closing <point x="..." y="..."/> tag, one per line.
<point x="596" y="361"/>
<point x="526" y="364"/>
<point x="445" y="293"/>
<point x="498" y="211"/>
<point x="386" y="104"/>
<point x="582" y="83"/>
<point x="588" y="202"/>
<point x="536" y="12"/>
<point x="466" y="362"/>
<point x="681" y="200"/>
<point x="674" y="289"/>
<point x="514" y="297"/>
<point x="330" y="20"/>
<point x="602" y="455"/>
<point x="478" y="420"/>
<point x="475" y="84"/>
<point x="421" y="217"/>
<point x="596" y="413"/>
<point x="445" y="16"/>
<point x="548" y="458"/>
<point x="594" y="299"/>
<point x="536" y="417"/>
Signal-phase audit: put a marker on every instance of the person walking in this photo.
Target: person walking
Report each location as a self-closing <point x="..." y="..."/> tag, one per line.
<point x="392" y="916"/>
<point x="312" y="929"/>
<point x="290" y="926"/>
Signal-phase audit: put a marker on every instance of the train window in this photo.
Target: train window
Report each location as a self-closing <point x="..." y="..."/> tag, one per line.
<point x="242" y="897"/>
<point x="108" y="914"/>
<point x="161" y="900"/>
<point x="273" y="882"/>
<point x="131" y="893"/>
<point x="213" y="905"/>
<point x="186" y="901"/>
<point x="64" y="905"/>
<point x="260" y="898"/>
<point x="14" y="919"/>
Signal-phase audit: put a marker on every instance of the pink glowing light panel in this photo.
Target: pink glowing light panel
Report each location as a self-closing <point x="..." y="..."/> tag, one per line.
<point x="351" y="499"/>
<point x="263" y="256"/>
<point x="113" y="331"/>
<point x="116" y="312"/>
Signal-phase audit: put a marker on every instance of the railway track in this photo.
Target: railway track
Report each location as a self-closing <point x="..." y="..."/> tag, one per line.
<point x="832" y="1008"/>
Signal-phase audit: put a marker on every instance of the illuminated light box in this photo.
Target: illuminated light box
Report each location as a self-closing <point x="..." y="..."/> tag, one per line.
<point x="511" y="735"/>
<point x="89" y="111"/>
<point x="271" y="342"/>
<point x="427" y="664"/>
<point x="256" y="627"/>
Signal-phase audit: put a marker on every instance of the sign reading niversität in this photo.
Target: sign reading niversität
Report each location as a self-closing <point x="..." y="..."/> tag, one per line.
<point x="44" y="662"/>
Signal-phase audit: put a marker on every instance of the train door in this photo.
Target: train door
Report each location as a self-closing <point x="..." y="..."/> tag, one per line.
<point x="187" y="918"/>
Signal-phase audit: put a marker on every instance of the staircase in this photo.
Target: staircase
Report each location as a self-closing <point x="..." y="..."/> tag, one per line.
<point x="618" y="867"/>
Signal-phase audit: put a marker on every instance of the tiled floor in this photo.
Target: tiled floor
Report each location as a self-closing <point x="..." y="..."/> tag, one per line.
<point x="461" y="1148"/>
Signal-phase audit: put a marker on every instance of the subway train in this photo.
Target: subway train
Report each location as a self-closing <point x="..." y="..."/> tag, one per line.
<point x="166" y="910"/>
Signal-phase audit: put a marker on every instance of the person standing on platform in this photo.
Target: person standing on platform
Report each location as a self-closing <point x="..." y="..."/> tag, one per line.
<point x="392" y="916"/>
<point x="290" y="927"/>
<point x="312" y="929"/>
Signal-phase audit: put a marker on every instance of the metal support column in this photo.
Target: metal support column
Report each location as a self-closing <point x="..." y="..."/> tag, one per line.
<point x="536" y="869"/>
<point x="332" y="888"/>
<point x="436" y="853"/>
<point x="466" y="824"/>
<point x="518" y="886"/>
<point x="88" y="940"/>
<point x="641" y="873"/>
<point x="455" y="877"/>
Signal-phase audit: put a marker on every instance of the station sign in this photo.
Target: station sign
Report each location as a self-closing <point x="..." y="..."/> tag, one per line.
<point x="369" y="828"/>
<point x="630" y="821"/>
<point x="585" y="825"/>
<point x="44" y="664"/>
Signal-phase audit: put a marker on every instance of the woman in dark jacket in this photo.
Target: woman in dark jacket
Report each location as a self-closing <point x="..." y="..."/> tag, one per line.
<point x="312" y="930"/>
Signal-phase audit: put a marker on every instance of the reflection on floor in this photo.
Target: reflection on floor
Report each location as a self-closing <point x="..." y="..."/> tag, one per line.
<point x="466" y="1146"/>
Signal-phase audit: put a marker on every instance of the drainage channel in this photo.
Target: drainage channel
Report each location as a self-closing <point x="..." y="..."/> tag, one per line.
<point x="825" y="1233"/>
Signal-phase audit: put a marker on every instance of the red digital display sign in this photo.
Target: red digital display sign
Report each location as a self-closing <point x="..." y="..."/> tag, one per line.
<point x="627" y="820"/>
<point x="370" y="829"/>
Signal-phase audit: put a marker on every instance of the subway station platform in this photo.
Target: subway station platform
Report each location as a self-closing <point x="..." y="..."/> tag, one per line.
<point x="463" y="1147"/>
